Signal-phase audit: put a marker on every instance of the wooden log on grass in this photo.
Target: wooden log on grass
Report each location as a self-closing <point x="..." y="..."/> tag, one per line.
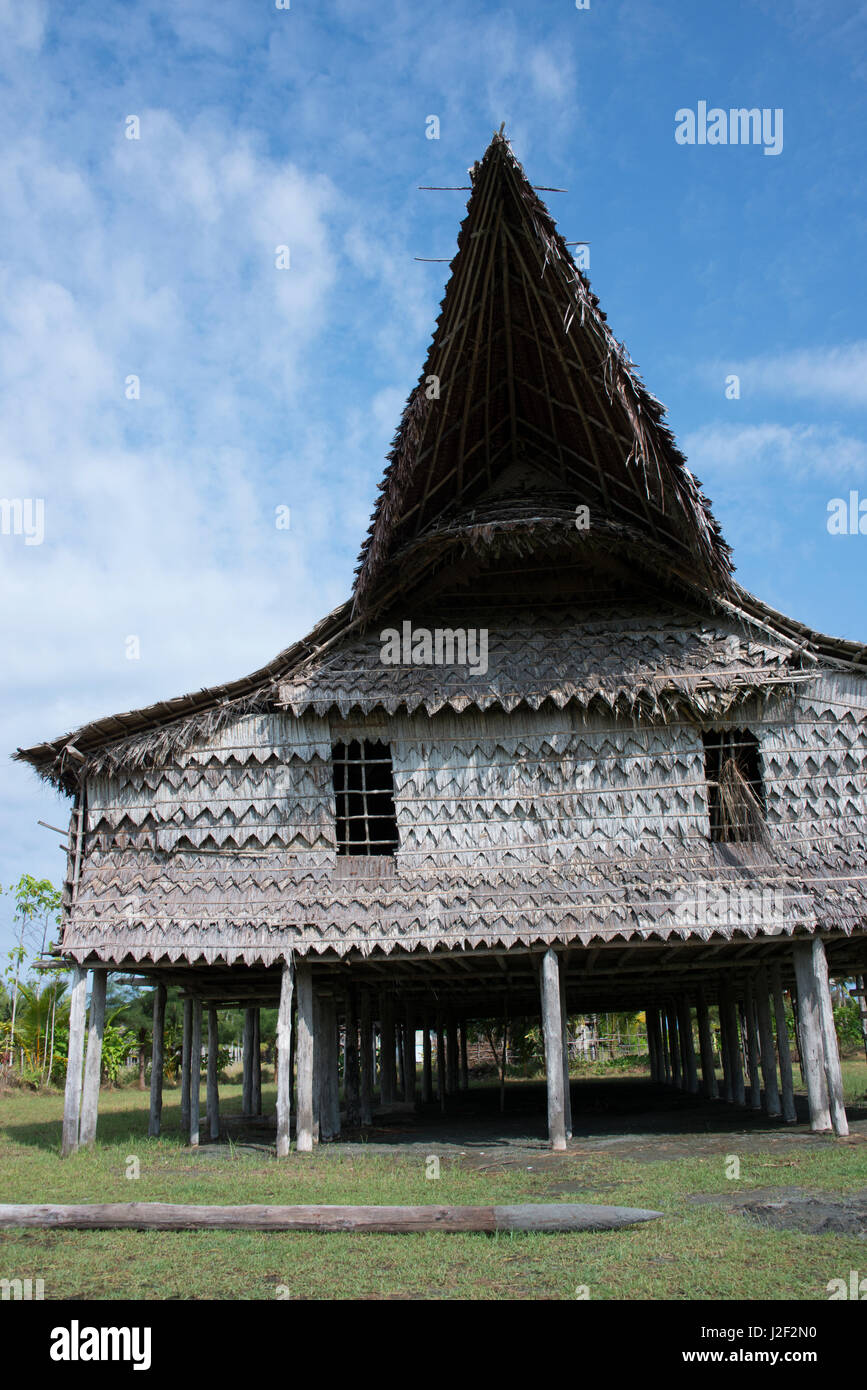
<point x="167" y="1216"/>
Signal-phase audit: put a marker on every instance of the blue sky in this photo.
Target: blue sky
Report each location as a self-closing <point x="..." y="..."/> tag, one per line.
<point x="259" y="387"/>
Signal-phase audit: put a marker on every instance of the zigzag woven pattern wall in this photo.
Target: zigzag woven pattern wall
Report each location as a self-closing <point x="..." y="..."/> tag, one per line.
<point x="560" y="825"/>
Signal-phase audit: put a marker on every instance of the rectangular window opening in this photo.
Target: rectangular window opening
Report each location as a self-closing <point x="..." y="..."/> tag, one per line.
<point x="736" y="795"/>
<point x="364" y="794"/>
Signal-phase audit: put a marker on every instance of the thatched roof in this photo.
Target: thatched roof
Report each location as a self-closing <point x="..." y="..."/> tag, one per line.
<point x="539" y="411"/>
<point x="530" y="373"/>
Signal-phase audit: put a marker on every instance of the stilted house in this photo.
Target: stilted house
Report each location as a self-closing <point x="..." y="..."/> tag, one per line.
<point x="548" y="759"/>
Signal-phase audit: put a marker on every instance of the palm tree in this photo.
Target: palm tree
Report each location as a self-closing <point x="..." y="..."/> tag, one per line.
<point x="34" y="1028"/>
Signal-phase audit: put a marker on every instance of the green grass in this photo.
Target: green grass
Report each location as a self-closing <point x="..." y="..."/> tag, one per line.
<point x="695" y="1252"/>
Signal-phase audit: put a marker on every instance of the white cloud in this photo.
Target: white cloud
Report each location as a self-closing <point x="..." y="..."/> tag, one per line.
<point x="837" y="374"/>
<point x="22" y="23"/>
<point x="751" y="452"/>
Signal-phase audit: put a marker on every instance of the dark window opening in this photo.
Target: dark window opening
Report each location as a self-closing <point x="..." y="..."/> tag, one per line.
<point x="364" y="793"/>
<point x="736" y="796"/>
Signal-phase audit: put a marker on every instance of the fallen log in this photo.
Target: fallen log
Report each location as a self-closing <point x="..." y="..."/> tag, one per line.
<point x="166" y="1216"/>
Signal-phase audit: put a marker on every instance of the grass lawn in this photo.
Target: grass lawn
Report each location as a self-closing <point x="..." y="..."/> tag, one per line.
<point x="694" y="1252"/>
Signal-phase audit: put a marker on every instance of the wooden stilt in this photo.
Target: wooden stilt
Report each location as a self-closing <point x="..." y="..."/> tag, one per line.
<point x="284" y="1047"/>
<point x="304" y="1127"/>
<point x="293" y="1045"/>
<point x="93" y="1061"/>
<point x="687" y="1044"/>
<point x="157" y="1062"/>
<point x="465" y="1065"/>
<point x="212" y="1091"/>
<point x="705" y="1045"/>
<point x="351" y="1075"/>
<point x="812" y="1044"/>
<point x="784" y="1052"/>
<point x="656" y="1034"/>
<point x="75" y="1059"/>
<point x="725" y="1050"/>
<point x="733" y="1040"/>
<point x="451" y="1054"/>
<point x="651" y="1049"/>
<point x="366" y="1067"/>
<point x="862" y="1007"/>
<point x="195" y="1073"/>
<point x="771" y="1097"/>
<point x="664" y="1049"/>
<point x="426" y="1066"/>
<point x="247" y="1084"/>
<point x="735" y="1071"/>
<point x="833" y="1071"/>
<point x="441" y="1063"/>
<point x="552" y="1025"/>
<point x="409" y="1054"/>
<point x="738" y="1054"/>
<point x="257" y="1063"/>
<point x="186" y="1047"/>
<point x="564" y="1024"/>
<point x="400" y="1039"/>
<point x="752" y="1032"/>
<point x="673" y="1045"/>
<point x="387" y="1050"/>
<point x="329" y="1081"/>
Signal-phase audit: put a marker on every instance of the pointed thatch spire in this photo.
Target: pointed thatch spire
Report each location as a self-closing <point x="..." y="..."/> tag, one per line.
<point x="524" y="374"/>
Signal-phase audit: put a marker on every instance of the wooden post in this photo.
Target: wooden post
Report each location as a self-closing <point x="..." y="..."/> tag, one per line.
<point x="790" y="1113"/>
<point x="766" y="1044"/>
<point x="833" y="1071"/>
<point x="93" y="1061"/>
<point x="186" y="1046"/>
<point x="684" y="1018"/>
<point x="257" y="1063"/>
<point x="409" y="1055"/>
<point x="386" y="1050"/>
<point x="304" y="1061"/>
<point x="812" y="1044"/>
<point x="284" y="1047"/>
<point x="732" y="1034"/>
<point x="328" y="1069"/>
<point x="195" y="1073"/>
<point x="441" y="1063"/>
<point x="861" y="996"/>
<point x="564" y="1024"/>
<point x="656" y="1035"/>
<point x="465" y="1068"/>
<point x="366" y="1096"/>
<point x="351" y="1076"/>
<point x="247" y="1091"/>
<point x="752" y="1032"/>
<point x="75" y="1058"/>
<point x="673" y="1045"/>
<point x="400" y="1039"/>
<point x="728" y="1091"/>
<point x="451" y="1054"/>
<point x="740" y="1094"/>
<point x="157" y="1062"/>
<point x="293" y="1044"/>
<point x="552" y="1024"/>
<point x="665" y="1051"/>
<point x="213" y="1087"/>
<point x="426" y="1066"/>
<point x="648" y="1031"/>
<point x="705" y="1047"/>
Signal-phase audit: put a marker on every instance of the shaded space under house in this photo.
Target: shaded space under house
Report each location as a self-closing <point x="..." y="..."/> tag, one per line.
<point x="548" y="759"/>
